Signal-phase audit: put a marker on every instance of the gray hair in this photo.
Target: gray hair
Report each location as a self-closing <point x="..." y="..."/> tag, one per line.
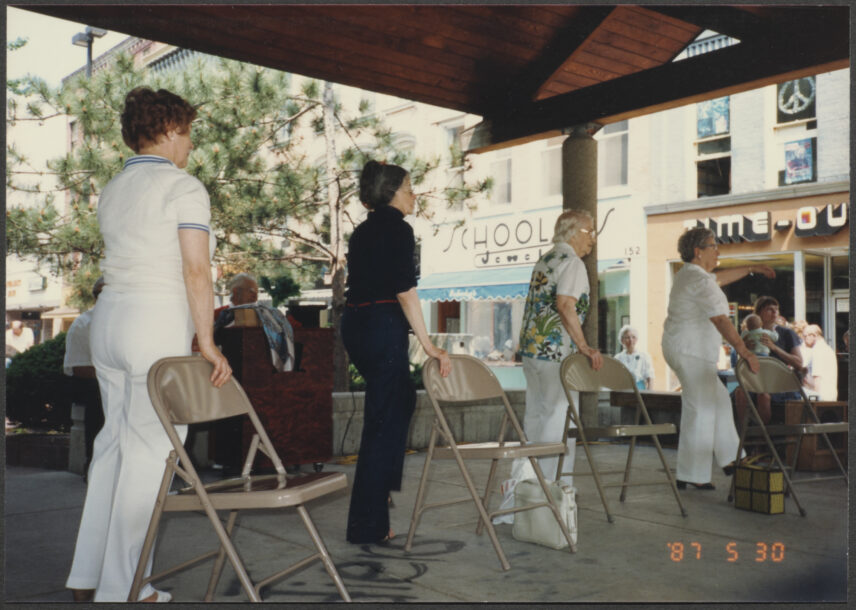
<point x="568" y="224"/>
<point x="692" y="239"/>
<point x="627" y="329"/>
<point x="240" y="279"/>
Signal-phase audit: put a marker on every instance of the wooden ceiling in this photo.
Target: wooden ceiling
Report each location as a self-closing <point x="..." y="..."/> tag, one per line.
<point x="528" y="70"/>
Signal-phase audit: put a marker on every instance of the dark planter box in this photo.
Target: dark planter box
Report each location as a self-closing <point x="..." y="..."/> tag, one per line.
<point x="48" y="451"/>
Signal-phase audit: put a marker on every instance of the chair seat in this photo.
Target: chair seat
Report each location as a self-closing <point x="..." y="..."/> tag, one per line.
<point x="267" y="491"/>
<point x="806" y="428"/>
<point x="623" y="431"/>
<point x="495" y="450"/>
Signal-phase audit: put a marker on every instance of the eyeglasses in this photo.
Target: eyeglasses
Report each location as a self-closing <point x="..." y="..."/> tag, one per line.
<point x="589" y="232"/>
<point x="713" y="245"/>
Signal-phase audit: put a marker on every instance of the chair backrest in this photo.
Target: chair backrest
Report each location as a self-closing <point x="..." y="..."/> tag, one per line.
<point x="578" y="375"/>
<point x="773" y="376"/>
<point x="181" y="389"/>
<point x="470" y="379"/>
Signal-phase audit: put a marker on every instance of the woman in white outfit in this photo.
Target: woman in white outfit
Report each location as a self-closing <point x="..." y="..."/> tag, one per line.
<point x="696" y="323"/>
<point x="553" y="315"/>
<point x="638" y="363"/>
<point x="154" y="218"/>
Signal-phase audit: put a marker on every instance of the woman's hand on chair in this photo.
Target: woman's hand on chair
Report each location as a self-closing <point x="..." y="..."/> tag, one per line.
<point x="222" y="370"/>
<point x="752" y="360"/>
<point x="594" y="355"/>
<point x="445" y="362"/>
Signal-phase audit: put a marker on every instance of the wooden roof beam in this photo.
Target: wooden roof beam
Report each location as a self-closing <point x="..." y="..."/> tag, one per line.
<point x="741" y="67"/>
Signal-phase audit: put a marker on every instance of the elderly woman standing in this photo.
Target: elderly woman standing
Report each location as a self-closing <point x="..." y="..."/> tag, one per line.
<point x="696" y="323"/>
<point x="555" y="309"/>
<point x="638" y="363"/>
<point x="154" y="218"/>
<point x="382" y="306"/>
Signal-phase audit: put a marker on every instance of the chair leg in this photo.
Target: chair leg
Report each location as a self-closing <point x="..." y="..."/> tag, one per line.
<point x="733" y="485"/>
<point x="152" y="531"/>
<point x="491" y="532"/>
<point x="487" y="492"/>
<point x="835" y="456"/>
<point x="596" y="475"/>
<point x="217" y="570"/>
<point x="626" y="479"/>
<point x="325" y="555"/>
<point x="788" y="484"/>
<point x="420" y="493"/>
<point x="669" y="476"/>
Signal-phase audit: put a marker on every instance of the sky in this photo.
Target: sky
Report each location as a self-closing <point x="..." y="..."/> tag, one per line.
<point x="49" y="52"/>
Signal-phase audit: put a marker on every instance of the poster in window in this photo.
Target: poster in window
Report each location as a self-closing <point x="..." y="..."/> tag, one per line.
<point x="713" y="119"/>
<point x="799" y="165"/>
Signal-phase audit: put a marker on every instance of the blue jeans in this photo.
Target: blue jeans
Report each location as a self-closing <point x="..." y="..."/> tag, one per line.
<point x="375" y="337"/>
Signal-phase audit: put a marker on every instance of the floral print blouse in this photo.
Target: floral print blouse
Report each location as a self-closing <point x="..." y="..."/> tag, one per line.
<point x="542" y="335"/>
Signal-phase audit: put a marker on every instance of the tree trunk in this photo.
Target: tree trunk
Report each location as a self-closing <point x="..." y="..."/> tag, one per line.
<point x="341" y="379"/>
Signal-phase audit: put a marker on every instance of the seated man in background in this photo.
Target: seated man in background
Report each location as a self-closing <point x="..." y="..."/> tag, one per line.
<point x="279" y="336"/>
<point x="77" y="363"/>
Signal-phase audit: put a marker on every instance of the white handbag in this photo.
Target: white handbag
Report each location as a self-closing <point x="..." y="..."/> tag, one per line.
<point x="539" y="525"/>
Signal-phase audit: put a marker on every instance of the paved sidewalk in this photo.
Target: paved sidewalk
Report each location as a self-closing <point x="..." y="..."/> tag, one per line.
<point x="728" y="554"/>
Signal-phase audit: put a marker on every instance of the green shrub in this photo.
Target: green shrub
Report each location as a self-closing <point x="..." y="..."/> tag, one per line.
<point x="358" y="384"/>
<point x="38" y="394"/>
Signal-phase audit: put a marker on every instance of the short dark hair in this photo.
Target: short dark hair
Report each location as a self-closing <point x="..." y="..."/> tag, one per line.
<point x="761" y="303"/>
<point x="149" y="114"/>
<point x="692" y="239"/>
<point x="379" y="183"/>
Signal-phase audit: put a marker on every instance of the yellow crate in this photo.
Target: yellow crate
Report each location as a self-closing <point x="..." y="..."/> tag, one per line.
<point x="759" y="489"/>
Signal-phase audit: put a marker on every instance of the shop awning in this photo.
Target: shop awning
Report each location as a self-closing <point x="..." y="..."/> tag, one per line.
<point x="490" y="284"/>
<point x="476" y="285"/>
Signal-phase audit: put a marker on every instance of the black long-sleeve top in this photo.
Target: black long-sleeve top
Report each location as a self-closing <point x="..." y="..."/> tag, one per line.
<point x="380" y="257"/>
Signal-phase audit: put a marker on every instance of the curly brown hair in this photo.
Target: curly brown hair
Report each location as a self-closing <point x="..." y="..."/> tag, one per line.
<point x="149" y="114"/>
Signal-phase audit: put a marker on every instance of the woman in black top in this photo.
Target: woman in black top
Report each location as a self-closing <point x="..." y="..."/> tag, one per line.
<point x="382" y="306"/>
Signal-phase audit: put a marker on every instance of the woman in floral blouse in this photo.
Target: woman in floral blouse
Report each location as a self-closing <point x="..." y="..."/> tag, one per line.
<point x="556" y="307"/>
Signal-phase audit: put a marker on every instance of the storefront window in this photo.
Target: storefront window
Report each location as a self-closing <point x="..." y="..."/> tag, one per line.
<point x="840" y="272"/>
<point x="502" y="326"/>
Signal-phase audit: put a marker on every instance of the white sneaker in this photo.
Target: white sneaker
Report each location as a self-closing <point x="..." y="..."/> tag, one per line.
<point x="162" y="597"/>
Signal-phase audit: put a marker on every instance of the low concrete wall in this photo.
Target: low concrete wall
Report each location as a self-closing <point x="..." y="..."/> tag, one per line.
<point x="473" y="423"/>
<point x="38" y="450"/>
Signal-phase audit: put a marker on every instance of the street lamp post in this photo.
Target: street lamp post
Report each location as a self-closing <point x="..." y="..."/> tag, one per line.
<point x="85" y="39"/>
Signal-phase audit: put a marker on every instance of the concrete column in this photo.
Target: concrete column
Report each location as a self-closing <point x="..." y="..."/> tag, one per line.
<point x="799" y="285"/>
<point x="579" y="192"/>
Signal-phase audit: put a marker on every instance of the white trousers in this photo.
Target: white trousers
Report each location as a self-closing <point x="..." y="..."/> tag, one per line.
<point x="707" y="422"/>
<point x="544" y="419"/>
<point x="129" y="333"/>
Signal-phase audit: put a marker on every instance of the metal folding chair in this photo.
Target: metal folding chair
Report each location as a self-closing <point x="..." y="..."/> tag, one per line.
<point x="472" y="380"/>
<point x="181" y="393"/>
<point x="578" y="375"/>
<point x="773" y="377"/>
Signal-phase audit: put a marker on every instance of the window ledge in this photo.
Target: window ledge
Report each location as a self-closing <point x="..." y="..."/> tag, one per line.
<point x="796" y="123"/>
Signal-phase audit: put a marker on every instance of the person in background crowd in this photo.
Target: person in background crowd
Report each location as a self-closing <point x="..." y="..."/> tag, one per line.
<point x="821" y="380"/>
<point x="19" y="337"/>
<point x="696" y="323"/>
<point x="77" y="363"/>
<point x="786" y="348"/>
<point x="638" y="363"/>
<point x="154" y="218"/>
<point x="381" y="306"/>
<point x="846" y="339"/>
<point x="556" y="307"/>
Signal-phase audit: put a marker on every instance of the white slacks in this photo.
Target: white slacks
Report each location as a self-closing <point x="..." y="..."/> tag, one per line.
<point x="544" y="419"/>
<point x="129" y="333"/>
<point x="707" y="422"/>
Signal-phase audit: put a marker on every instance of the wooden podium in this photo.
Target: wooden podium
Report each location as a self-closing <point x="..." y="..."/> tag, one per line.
<point x="295" y="407"/>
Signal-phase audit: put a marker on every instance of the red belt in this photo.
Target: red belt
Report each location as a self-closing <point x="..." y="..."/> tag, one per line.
<point x="367" y="303"/>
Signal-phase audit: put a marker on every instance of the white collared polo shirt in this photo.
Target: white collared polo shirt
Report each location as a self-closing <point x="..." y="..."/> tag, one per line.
<point x="140" y="212"/>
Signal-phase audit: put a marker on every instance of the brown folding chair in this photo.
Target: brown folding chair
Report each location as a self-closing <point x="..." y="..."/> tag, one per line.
<point x="182" y="394"/>
<point x="578" y="375"/>
<point x="472" y="380"/>
<point x="774" y="376"/>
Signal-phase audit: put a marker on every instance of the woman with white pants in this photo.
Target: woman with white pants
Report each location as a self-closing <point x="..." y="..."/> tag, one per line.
<point x="556" y="307"/>
<point x="696" y="323"/>
<point x="154" y="218"/>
